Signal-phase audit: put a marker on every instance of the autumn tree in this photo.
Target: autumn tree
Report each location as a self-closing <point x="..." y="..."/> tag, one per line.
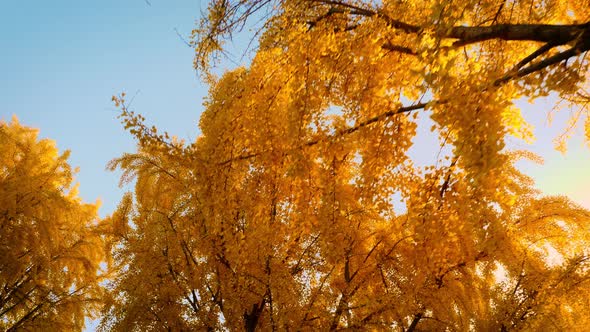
<point x="49" y="250"/>
<point x="284" y="213"/>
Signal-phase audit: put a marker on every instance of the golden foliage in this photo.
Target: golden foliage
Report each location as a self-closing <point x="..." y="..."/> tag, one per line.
<point x="284" y="213"/>
<point x="49" y="246"/>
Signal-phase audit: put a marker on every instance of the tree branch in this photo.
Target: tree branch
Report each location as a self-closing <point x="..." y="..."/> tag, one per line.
<point x="415" y="322"/>
<point x="540" y="51"/>
<point x="551" y="35"/>
<point x="359" y="11"/>
<point x="398" y="48"/>
<point x="343" y="132"/>
<point x="542" y="64"/>
<point x="556" y="34"/>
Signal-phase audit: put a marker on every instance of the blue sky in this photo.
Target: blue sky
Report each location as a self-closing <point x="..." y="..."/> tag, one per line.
<point x="61" y="61"/>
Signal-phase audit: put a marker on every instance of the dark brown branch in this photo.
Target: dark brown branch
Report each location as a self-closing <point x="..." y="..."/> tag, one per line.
<point x="540" y="51"/>
<point x="374" y="119"/>
<point x="251" y="318"/>
<point x="296" y="269"/>
<point x="551" y="35"/>
<point x="242" y="157"/>
<point x="556" y="34"/>
<point x="330" y="12"/>
<point x="398" y="48"/>
<point x="350" y="130"/>
<point x="383" y="279"/>
<point x="31" y="313"/>
<point x="574" y="51"/>
<point x="415" y="322"/>
<point x="342" y="303"/>
<point x="498" y="12"/>
<point x="315" y="294"/>
<point x="366" y="258"/>
<point x="359" y="11"/>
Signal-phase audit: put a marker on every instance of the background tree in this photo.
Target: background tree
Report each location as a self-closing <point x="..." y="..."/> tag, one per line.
<point x="49" y="249"/>
<point x="283" y="214"/>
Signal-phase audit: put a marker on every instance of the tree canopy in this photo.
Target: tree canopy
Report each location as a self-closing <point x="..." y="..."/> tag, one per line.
<point x="299" y="207"/>
<point x="50" y="249"/>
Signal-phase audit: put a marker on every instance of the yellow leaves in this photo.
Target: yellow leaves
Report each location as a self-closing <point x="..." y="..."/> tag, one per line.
<point x="281" y="216"/>
<point x="51" y="249"/>
<point x="118" y="222"/>
<point x="517" y="126"/>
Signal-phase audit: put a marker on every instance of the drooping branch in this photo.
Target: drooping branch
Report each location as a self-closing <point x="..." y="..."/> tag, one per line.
<point x="540" y="51"/>
<point x="557" y="58"/>
<point x="340" y="133"/>
<point x="378" y="118"/>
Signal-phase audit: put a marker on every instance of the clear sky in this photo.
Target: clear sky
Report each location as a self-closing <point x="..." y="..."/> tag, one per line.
<point x="61" y="61"/>
<point x="561" y="174"/>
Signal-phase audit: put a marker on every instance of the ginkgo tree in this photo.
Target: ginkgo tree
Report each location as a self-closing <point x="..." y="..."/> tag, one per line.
<point x="50" y="248"/>
<point x="299" y="207"/>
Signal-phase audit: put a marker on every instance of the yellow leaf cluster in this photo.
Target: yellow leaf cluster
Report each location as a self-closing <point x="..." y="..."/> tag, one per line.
<point x="50" y="248"/>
